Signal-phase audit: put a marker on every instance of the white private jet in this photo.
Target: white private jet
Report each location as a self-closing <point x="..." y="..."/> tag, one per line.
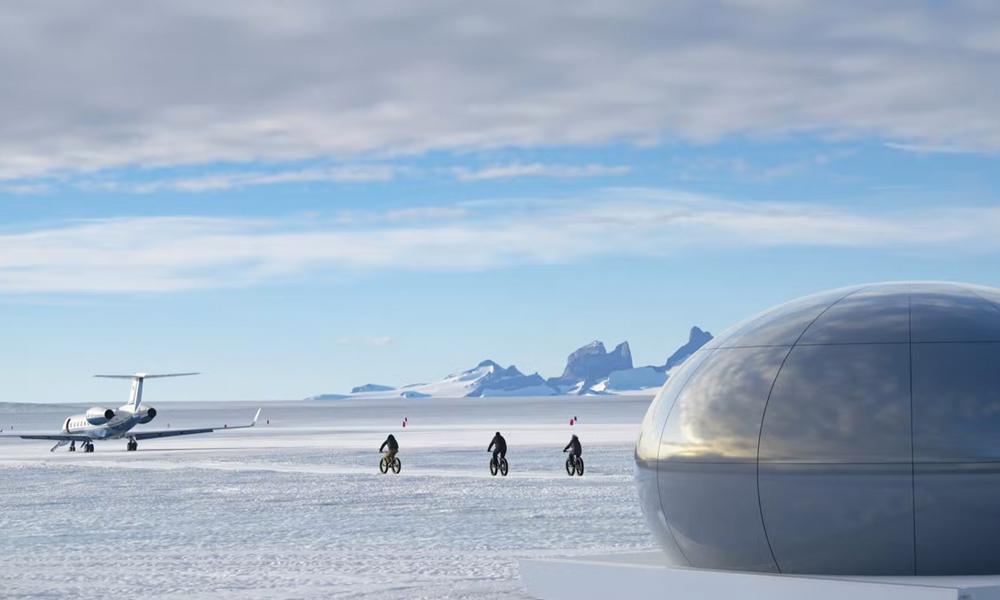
<point x="101" y="423"/>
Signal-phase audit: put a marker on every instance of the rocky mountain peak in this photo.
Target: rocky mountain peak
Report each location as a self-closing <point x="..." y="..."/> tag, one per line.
<point x="696" y="339"/>
<point x="371" y="387"/>
<point x="499" y="371"/>
<point x="593" y="362"/>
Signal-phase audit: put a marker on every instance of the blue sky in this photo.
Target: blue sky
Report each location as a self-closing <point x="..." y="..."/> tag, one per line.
<point x="305" y="198"/>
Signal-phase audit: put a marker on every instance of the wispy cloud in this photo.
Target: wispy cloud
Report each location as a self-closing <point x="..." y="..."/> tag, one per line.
<point x="229" y="181"/>
<point x="304" y="79"/>
<point x="929" y="148"/>
<point x="539" y="170"/>
<point x="377" y="341"/>
<point x="26" y="189"/>
<point x="176" y="253"/>
<point x="345" y="174"/>
<point x="747" y="170"/>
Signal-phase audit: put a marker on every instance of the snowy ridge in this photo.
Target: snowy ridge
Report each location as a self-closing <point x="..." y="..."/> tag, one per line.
<point x="590" y="370"/>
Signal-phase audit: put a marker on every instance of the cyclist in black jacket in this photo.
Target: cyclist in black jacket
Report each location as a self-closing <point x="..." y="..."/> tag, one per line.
<point x="393" y="446"/>
<point x="498" y="446"/>
<point x="574" y="446"/>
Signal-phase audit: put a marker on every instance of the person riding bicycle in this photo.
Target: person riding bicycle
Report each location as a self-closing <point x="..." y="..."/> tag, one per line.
<point x="574" y="447"/>
<point x="391" y="443"/>
<point x="498" y="446"/>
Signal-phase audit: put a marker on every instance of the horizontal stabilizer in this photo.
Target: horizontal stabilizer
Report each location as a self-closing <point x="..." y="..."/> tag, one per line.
<point x="145" y="375"/>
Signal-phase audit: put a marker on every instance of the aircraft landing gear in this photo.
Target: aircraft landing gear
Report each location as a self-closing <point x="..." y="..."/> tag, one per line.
<point x="88" y="446"/>
<point x="72" y="446"/>
<point x="132" y="445"/>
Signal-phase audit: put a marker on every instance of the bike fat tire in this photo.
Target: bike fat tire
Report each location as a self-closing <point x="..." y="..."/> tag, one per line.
<point x="579" y="467"/>
<point x="570" y="467"/>
<point x="494" y="467"/>
<point x="383" y="465"/>
<point x="503" y="467"/>
<point x="396" y="465"/>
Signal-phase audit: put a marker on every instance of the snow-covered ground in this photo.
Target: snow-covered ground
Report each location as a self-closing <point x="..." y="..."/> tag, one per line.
<point x="296" y="508"/>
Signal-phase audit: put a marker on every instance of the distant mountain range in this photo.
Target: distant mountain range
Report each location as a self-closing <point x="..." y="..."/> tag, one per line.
<point x="590" y="370"/>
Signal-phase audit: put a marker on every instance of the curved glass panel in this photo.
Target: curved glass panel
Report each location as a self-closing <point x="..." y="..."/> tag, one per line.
<point x="717" y="416"/>
<point x="645" y="456"/>
<point x="943" y="313"/>
<point x="956" y="402"/>
<point x="714" y="515"/>
<point x="649" y="501"/>
<point x="840" y="404"/>
<point x="991" y="295"/>
<point x="652" y="425"/>
<point x="839" y="519"/>
<point x="958" y="523"/>
<point x="781" y="325"/>
<point x="878" y="314"/>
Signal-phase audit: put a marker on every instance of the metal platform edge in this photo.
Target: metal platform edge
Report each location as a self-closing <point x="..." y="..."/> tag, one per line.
<point x="635" y="578"/>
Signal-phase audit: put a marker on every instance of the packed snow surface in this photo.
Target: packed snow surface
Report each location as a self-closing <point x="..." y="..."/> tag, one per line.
<point x="296" y="508"/>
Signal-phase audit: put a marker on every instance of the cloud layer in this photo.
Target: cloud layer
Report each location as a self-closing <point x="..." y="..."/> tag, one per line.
<point x="164" y="254"/>
<point x="102" y="84"/>
<point x="517" y="170"/>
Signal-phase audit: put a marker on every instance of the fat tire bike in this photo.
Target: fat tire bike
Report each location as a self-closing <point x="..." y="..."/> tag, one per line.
<point x="498" y="466"/>
<point x="574" y="465"/>
<point x="385" y="464"/>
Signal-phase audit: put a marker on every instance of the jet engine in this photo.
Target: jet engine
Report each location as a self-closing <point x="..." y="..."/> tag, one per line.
<point x="146" y="415"/>
<point x="99" y="415"/>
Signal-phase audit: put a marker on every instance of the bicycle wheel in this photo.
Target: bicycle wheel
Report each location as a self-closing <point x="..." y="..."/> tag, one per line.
<point x="579" y="467"/>
<point x="503" y="467"/>
<point x="396" y="465"/>
<point x="383" y="465"/>
<point x="570" y="467"/>
<point x="494" y="467"/>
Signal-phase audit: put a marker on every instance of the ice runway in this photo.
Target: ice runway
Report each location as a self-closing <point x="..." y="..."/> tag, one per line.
<point x="297" y="508"/>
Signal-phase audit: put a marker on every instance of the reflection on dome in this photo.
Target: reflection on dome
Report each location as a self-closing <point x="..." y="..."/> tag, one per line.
<point x="855" y="432"/>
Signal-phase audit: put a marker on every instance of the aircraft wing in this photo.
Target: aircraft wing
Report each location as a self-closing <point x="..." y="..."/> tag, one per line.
<point x="149" y="435"/>
<point x="61" y="437"/>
